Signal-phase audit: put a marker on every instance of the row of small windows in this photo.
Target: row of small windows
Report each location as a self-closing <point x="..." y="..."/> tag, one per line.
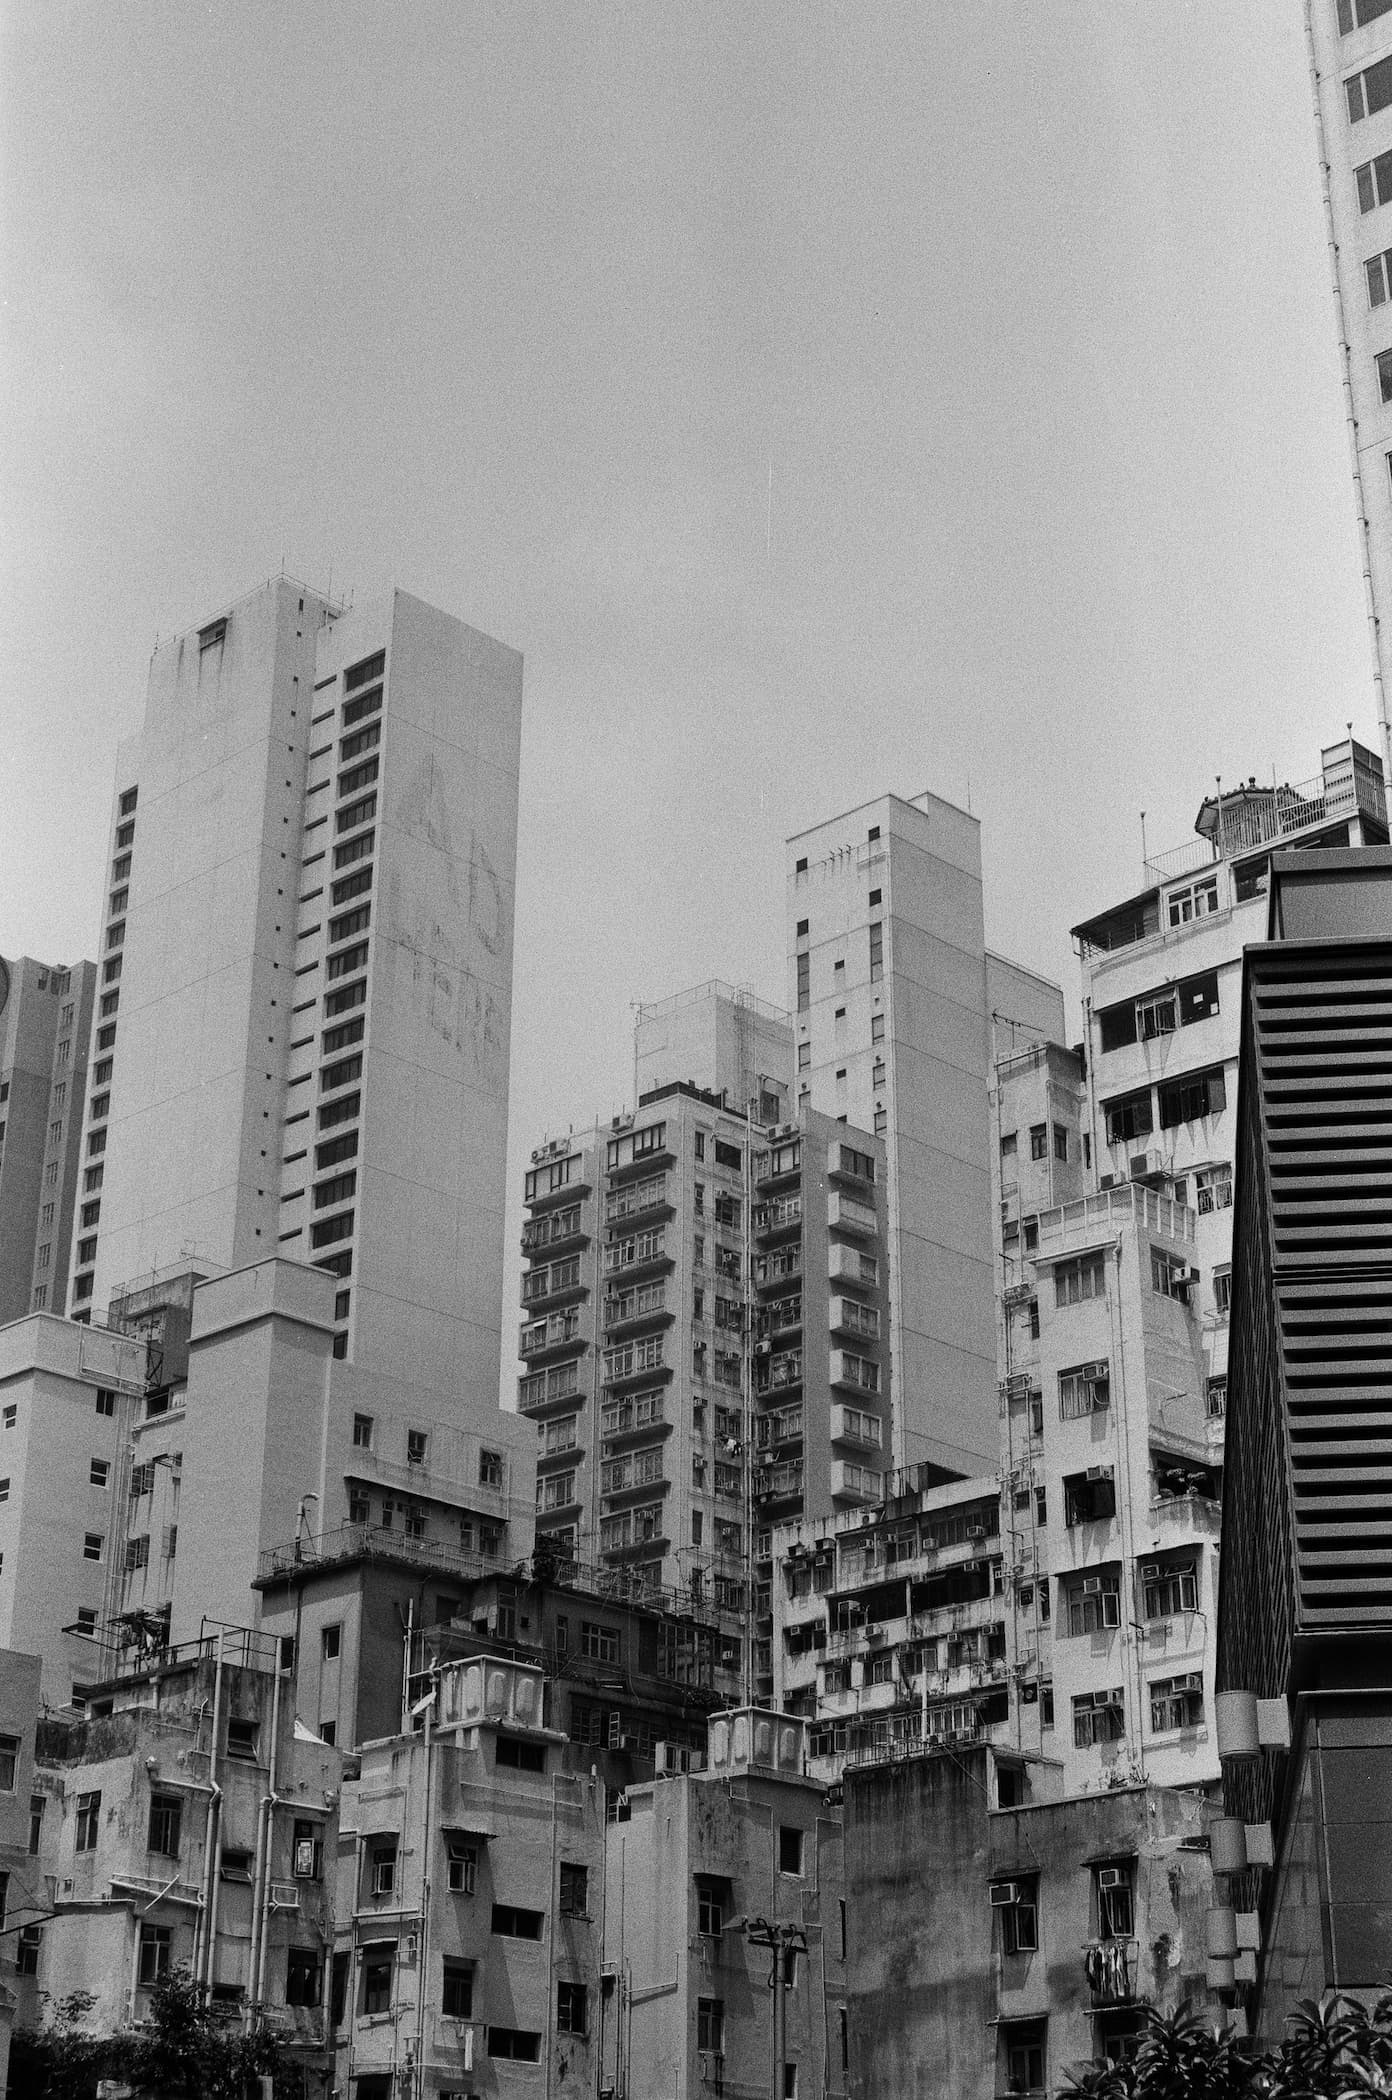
<point x="107" y="1007"/>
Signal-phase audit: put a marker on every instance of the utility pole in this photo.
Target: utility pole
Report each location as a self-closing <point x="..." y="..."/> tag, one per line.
<point x="781" y="1939"/>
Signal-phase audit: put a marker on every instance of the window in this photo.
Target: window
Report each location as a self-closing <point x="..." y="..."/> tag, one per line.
<point x="1212" y="1189"/>
<point x="876" y="951"/>
<point x="1024" y="2057"/>
<point x="27" y="1949"/>
<point x="457" y="1989"/>
<point x="490" y="1469"/>
<point x="1128" y="1117"/>
<point x="417" y="1443"/>
<point x="711" y="1896"/>
<point x="511" y="1923"/>
<point x="154" y="1953"/>
<point x="362" y="1432"/>
<point x="87" y="1823"/>
<point x="514" y="2044"/>
<point x="1200" y="1094"/>
<point x="1085" y="1390"/>
<point x="518" y="1756"/>
<point x="100" y="1473"/>
<point x="165" y="1812"/>
<point x="1176" y="1702"/>
<point x="1039" y="1141"/>
<point x="1369" y="91"/>
<point x="36" y="1816"/>
<point x="599" y="1643"/>
<point x="1359" y="13"/>
<point x="461" y="1866"/>
<point x="378" y="1960"/>
<point x="307" y="1850"/>
<point x="1374" y="182"/>
<point x="304" y="1976"/>
<point x="789" y="1849"/>
<point x="1016" y="1905"/>
<point x="1222" y="1292"/>
<point x="1090" y="1497"/>
<point x="382" y="1866"/>
<point x="1080" y="1279"/>
<point x="106" y="1402"/>
<point x="804" y="1057"/>
<point x="710" y="2025"/>
<point x="1094" y="1603"/>
<point x="575" y="1890"/>
<point x="241" y="1738"/>
<point x="572" y="2008"/>
<point x="804" y="982"/>
<point x="1217" y="1399"/>
<point x="1098" y="1717"/>
<point x="1060" y="1142"/>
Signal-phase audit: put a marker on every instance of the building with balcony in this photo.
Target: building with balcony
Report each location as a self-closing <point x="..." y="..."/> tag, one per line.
<point x="188" y="1821"/>
<point x="893" y="1626"/>
<point x="896" y="1002"/>
<point x="1112" y="1466"/>
<point x="471" y="1878"/>
<point x="1005" y="1934"/>
<point x="1161" y="978"/>
<point x="1305" y="1605"/>
<point x="301" y="1025"/>
<point x="45" y="1023"/>
<point x="725" y="1928"/>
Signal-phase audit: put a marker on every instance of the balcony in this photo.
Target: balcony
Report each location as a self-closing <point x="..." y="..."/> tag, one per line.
<point x="551" y="1284"/>
<point x="856" y="1372"/>
<point x="555" y="1231"/>
<point x="782" y="1316"/>
<point x="777" y="1165"/>
<point x="774" y="1271"/>
<point x="542" y="1338"/>
<point x="844" y="1214"/>
<point x="641" y="1252"/>
<point x="783" y="1215"/>
<point x="778" y="1483"/>
<point x="628" y="1311"/>
<point x="849" y="1316"/>
<point x="638" y="1199"/>
<point x="855" y="1483"/>
<point x="543" y="1390"/>
<point x="780" y="1373"/>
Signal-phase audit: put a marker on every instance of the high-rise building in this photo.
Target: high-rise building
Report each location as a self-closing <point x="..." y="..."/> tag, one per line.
<point x="45" y="1021"/>
<point x="1350" y="51"/>
<point x="1161" y="981"/>
<point x="893" y="994"/>
<point x="1304" y="1710"/>
<point x="302" y="1025"/>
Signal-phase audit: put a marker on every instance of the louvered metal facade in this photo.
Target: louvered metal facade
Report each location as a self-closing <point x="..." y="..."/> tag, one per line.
<point x="1308" y="1546"/>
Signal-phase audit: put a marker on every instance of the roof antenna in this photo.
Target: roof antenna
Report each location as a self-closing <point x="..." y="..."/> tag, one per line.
<point x="1145" y="857"/>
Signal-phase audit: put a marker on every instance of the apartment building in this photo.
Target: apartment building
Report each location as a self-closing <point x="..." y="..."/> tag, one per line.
<point x="895" y="1629"/>
<point x="706" y="1347"/>
<point x="1009" y="1935"/>
<point x="1112" y="1483"/>
<point x="24" y="1900"/>
<point x="725" y="1926"/>
<point x="1305" y="1606"/>
<point x="1161" y="977"/>
<point x="45" y="1023"/>
<point x="302" y="1020"/>
<point x="471" y="1898"/>
<point x="189" y="1822"/>
<point x="893" y="994"/>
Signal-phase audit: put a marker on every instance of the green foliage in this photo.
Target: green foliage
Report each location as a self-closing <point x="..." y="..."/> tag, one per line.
<point x="1341" y="2050"/>
<point x="182" y="2052"/>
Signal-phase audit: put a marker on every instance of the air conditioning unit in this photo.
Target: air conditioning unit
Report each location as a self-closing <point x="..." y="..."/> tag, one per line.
<point x="412" y="1945"/>
<point x="284" y="1896"/>
<point x="1111" y="1877"/>
<point x="1150" y="1570"/>
<point x="976" y="1531"/>
<point x="1108" y="1181"/>
<point x="1004" y="1894"/>
<point x="1092" y="1585"/>
<point x="1099" y="1472"/>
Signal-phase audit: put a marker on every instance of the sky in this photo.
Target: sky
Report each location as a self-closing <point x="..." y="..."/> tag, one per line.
<point x="827" y="399"/>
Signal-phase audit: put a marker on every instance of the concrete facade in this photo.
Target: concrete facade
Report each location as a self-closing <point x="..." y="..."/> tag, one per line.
<point x="24" y="1902"/>
<point x="887" y="975"/>
<point x="994" y="1946"/>
<point x="45" y="1024"/>
<point x="68" y="1398"/>
<point x="720" y="1039"/>
<point x="306" y="975"/>
<point x="187" y="1822"/>
<point x="696" y="1867"/>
